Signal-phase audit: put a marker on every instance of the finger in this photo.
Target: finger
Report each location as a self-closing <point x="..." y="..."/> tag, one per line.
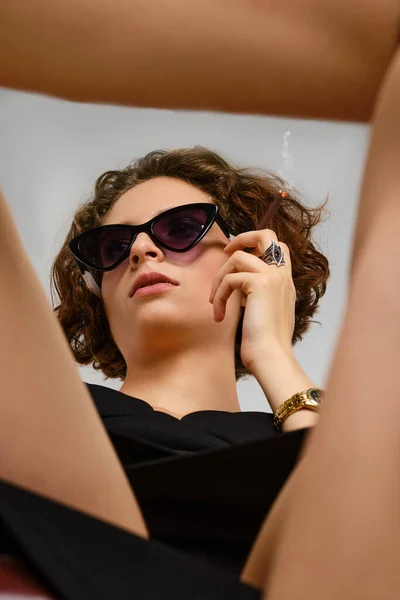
<point x="285" y="250"/>
<point x="252" y="239"/>
<point x="231" y="282"/>
<point x="239" y="261"/>
<point x="256" y="243"/>
<point x="287" y="257"/>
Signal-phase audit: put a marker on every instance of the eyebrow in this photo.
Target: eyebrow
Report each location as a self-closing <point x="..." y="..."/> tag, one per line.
<point x="155" y="213"/>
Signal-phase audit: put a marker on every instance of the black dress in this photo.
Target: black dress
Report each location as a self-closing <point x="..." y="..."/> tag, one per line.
<point x="204" y="483"/>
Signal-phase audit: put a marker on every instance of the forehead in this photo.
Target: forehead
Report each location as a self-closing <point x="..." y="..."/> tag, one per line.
<point x="150" y="198"/>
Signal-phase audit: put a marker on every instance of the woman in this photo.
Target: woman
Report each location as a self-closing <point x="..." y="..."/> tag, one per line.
<point x="139" y="354"/>
<point x="299" y="566"/>
<point x="249" y="311"/>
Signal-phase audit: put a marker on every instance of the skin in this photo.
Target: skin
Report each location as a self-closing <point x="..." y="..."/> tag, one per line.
<point x="298" y="58"/>
<point x="166" y="337"/>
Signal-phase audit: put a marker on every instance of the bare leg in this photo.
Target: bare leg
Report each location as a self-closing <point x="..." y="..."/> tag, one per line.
<point x="299" y="58"/>
<point x="52" y="440"/>
<point x="338" y="530"/>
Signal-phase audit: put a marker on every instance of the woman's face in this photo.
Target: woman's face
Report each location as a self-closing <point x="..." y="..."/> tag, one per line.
<point x="182" y="312"/>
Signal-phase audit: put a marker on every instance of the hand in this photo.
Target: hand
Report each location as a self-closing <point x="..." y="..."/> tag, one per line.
<point x="269" y="294"/>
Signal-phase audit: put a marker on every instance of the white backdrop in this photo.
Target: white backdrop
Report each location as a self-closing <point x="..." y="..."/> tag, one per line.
<point x="52" y="151"/>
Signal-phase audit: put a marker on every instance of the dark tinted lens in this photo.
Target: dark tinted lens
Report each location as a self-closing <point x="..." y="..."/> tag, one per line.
<point x="181" y="228"/>
<point x="104" y="247"/>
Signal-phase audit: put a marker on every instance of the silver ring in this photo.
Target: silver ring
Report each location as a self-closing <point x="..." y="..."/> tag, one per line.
<point x="274" y="255"/>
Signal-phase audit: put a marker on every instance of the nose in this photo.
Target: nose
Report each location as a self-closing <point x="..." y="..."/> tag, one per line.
<point x="143" y="245"/>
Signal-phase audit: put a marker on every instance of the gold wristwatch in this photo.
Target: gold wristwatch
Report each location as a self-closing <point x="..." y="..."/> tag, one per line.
<point x="310" y="399"/>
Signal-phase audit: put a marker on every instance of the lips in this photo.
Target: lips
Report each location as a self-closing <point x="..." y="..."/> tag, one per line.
<point x="150" y="278"/>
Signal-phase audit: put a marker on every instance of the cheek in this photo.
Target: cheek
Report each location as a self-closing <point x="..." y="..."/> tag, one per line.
<point x="200" y="264"/>
<point x="109" y="281"/>
<point x="111" y="289"/>
<point x="184" y="258"/>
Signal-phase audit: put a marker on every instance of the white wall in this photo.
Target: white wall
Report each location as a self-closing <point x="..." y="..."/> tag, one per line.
<point x="52" y="151"/>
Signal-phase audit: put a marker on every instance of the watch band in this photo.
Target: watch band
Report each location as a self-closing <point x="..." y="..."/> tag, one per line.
<point x="310" y="399"/>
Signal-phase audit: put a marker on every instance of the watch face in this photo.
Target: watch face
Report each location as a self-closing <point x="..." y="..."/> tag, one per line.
<point x="315" y="395"/>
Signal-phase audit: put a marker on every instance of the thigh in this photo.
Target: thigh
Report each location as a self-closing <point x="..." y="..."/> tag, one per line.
<point x="52" y="441"/>
<point x="345" y="495"/>
<point x="260" y="558"/>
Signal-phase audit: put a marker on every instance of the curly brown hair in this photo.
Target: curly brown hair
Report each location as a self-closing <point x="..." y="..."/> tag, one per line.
<point x="242" y="194"/>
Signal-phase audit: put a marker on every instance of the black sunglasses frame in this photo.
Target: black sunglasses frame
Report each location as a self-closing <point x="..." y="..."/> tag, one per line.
<point x="212" y="216"/>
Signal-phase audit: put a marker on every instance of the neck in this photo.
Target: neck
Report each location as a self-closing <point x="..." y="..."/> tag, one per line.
<point x="185" y="382"/>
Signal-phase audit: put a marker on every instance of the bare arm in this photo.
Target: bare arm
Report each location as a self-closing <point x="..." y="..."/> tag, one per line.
<point x="340" y="537"/>
<point x="299" y="58"/>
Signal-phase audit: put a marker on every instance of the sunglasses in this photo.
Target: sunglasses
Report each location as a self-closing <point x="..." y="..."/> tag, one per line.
<point x="178" y="229"/>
